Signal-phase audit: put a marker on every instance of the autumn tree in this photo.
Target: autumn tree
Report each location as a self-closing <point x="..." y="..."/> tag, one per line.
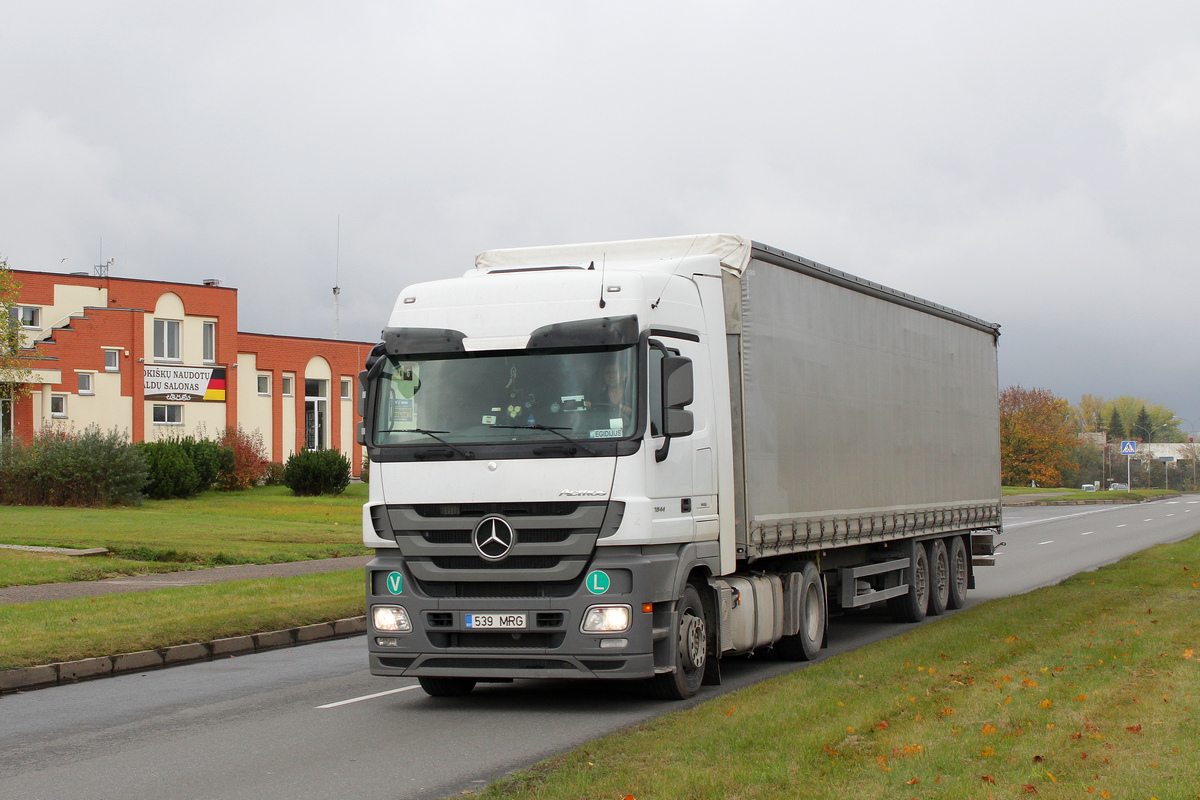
<point x="14" y="374"/>
<point x="1036" y="437"/>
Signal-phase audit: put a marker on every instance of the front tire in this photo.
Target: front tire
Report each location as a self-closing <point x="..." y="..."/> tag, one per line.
<point x="691" y="651"/>
<point x="805" y="645"/>
<point x="447" y="687"/>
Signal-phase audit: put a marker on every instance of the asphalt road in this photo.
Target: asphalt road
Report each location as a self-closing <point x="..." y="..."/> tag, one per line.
<point x="309" y="722"/>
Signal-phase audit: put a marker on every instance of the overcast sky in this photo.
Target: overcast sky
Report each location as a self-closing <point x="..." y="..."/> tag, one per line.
<point x="1036" y="164"/>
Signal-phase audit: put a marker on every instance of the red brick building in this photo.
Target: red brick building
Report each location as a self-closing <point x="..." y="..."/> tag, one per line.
<point x="156" y="359"/>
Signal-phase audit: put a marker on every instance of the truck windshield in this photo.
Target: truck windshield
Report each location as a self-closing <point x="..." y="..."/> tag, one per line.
<point x="510" y="396"/>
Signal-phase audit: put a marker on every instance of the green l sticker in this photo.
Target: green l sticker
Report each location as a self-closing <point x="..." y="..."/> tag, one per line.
<point x="395" y="582"/>
<point x="598" y="582"/>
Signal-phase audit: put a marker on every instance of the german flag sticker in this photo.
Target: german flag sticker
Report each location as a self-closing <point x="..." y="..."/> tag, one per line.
<point x="216" y="385"/>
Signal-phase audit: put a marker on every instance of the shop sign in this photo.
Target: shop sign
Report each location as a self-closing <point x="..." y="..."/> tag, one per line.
<point x="184" y="384"/>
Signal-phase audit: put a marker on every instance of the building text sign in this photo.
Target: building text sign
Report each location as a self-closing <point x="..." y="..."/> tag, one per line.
<point x="184" y="384"/>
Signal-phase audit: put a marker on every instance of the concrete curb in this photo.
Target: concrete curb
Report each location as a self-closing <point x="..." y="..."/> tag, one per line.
<point x="19" y="680"/>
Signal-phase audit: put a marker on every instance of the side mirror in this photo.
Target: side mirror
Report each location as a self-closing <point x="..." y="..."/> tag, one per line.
<point x="678" y="391"/>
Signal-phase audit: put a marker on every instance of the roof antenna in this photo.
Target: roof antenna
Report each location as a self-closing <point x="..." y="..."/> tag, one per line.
<point x="337" y="290"/>
<point x="603" y="259"/>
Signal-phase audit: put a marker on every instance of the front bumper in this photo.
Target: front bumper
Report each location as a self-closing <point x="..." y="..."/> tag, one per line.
<point x="550" y="646"/>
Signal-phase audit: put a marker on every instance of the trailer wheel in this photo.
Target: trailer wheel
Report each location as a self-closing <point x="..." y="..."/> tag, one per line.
<point x="959" y="573"/>
<point x="691" y="652"/>
<point x="805" y="645"/>
<point x="447" y="687"/>
<point x="939" y="577"/>
<point x="911" y="606"/>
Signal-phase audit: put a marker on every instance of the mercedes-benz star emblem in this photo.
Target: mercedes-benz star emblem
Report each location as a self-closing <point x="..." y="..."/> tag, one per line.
<point x="494" y="538"/>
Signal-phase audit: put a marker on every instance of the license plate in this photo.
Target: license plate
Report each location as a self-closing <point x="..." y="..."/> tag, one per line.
<point x="478" y="622"/>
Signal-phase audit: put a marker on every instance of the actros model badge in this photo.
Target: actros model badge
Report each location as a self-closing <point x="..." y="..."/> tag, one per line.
<point x="494" y="538"/>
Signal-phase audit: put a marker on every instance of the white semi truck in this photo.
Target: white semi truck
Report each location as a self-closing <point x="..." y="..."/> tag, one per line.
<point x="628" y="459"/>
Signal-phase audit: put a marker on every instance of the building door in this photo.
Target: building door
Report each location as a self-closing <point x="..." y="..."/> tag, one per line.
<point x="316" y="414"/>
<point x="6" y="416"/>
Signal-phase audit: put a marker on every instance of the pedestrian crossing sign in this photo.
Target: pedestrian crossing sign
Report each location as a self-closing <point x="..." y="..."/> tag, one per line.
<point x="1129" y="448"/>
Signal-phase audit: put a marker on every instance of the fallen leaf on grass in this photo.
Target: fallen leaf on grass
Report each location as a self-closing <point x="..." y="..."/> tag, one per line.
<point x="1029" y="788"/>
<point x="1080" y="698"/>
<point x="988" y="729"/>
<point x="830" y="750"/>
<point x="1135" y="728"/>
<point x="730" y="711"/>
<point x="913" y="781"/>
<point x="1046" y="703"/>
<point x="987" y="779"/>
<point x="1038" y="759"/>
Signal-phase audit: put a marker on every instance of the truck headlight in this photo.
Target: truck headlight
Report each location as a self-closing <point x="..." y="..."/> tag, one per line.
<point x="391" y="618"/>
<point x="606" y="619"/>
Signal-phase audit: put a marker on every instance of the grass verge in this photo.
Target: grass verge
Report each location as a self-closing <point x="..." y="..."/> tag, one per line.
<point x="66" y="630"/>
<point x="264" y="524"/>
<point x="19" y="568"/>
<point x="1056" y="495"/>
<point x="1085" y="689"/>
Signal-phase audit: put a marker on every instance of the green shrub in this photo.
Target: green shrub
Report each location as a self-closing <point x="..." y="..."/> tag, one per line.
<point x="61" y="467"/>
<point x="248" y="463"/>
<point x="312" y="472"/>
<point x="172" y="473"/>
<point x="273" y="475"/>
<point x="208" y="457"/>
<point x="365" y="474"/>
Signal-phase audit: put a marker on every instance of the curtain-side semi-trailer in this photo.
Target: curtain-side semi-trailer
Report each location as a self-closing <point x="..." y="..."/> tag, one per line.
<point x="627" y="459"/>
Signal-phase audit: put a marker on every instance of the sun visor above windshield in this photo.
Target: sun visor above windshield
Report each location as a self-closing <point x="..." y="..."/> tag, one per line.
<point x="411" y="341"/>
<point x="603" y="331"/>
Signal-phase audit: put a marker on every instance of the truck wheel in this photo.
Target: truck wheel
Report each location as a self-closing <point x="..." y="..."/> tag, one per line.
<point x="691" y="652"/>
<point x="910" y="607"/>
<point x="939" y="577"/>
<point x="447" y="687"/>
<point x="806" y="643"/>
<point x="959" y="573"/>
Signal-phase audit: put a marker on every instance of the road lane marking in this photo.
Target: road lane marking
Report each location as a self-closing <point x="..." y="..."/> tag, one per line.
<point x="369" y="696"/>
<point x="1148" y="520"/>
<point x="1089" y="533"/>
<point x="1122" y="525"/>
<point x="1049" y="542"/>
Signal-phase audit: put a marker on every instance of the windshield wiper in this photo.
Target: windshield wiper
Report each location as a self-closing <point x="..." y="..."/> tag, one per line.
<point x="432" y="435"/>
<point x="553" y="430"/>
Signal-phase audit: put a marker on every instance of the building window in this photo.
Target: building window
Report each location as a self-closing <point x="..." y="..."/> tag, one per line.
<point x="287" y="386"/>
<point x="166" y="340"/>
<point x="210" y="343"/>
<point x="346" y="389"/>
<point x="27" y="317"/>
<point x="316" y="414"/>
<point x="112" y="360"/>
<point x="85" y="383"/>
<point x="168" y="415"/>
<point x="264" y="384"/>
<point x="58" y="405"/>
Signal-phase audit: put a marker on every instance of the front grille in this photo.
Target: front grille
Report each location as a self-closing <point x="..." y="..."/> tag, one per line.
<point x="487" y="589"/>
<point x="549" y="619"/>
<point x="552" y="541"/>
<point x="512" y="562"/>
<point x="497" y="663"/>
<point x="444" y="510"/>
<point x="439" y="619"/>
<point x="601" y="666"/>
<point x="528" y="536"/>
